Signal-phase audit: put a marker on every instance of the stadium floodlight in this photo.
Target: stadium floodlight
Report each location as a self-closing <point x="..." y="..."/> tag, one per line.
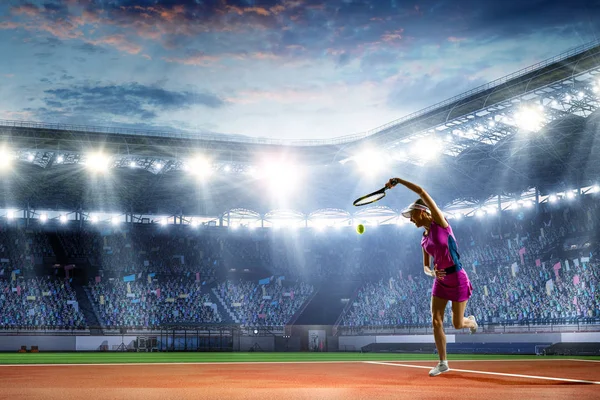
<point x="252" y="171"/>
<point x="529" y="119"/>
<point x="194" y="223"/>
<point x="132" y="164"/>
<point x="63" y="219"/>
<point x="5" y="158"/>
<point x="528" y="204"/>
<point x="479" y="213"/>
<point x="554" y="103"/>
<point x="491" y="210"/>
<point x="200" y="166"/>
<point x="568" y="98"/>
<point x="234" y="226"/>
<point x="427" y="148"/>
<point x="60" y="159"/>
<point x="283" y="178"/>
<point x="492" y="124"/>
<point x="97" y="162"/>
<point x="163" y="221"/>
<point x="159" y="166"/>
<point x="580" y="95"/>
<point x="94" y="219"/>
<point x="292" y="226"/>
<point x="227" y="168"/>
<point x="10" y="214"/>
<point x="570" y="195"/>
<point x="552" y="198"/>
<point x="458" y="216"/>
<point x="30" y="157"/>
<point x="319" y="225"/>
<point x="370" y="162"/>
<point x="400" y="155"/>
<point x="595" y="189"/>
<point x="115" y="220"/>
<point x="44" y="217"/>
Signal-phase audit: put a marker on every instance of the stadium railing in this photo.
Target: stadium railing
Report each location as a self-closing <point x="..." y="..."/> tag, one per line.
<point x="509" y="326"/>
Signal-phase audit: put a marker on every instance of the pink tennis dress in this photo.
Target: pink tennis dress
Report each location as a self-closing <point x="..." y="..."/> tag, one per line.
<point x="441" y="245"/>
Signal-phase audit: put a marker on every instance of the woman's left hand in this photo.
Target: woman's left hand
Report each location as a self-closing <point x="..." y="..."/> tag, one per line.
<point x="439" y="273"/>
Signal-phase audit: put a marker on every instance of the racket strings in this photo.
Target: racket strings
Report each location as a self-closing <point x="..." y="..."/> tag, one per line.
<point x="369" y="199"/>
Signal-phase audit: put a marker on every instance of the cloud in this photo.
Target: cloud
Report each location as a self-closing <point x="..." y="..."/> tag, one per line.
<point x="27" y="9"/>
<point x="418" y="90"/>
<point x="273" y="57"/>
<point x="131" y="100"/>
<point x="50" y="42"/>
<point x="193" y="57"/>
<point x="118" y="41"/>
<point x="267" y="31"/>
<point x="392" y="36"/>
<point x="90" y="48"/>
<point x="9" y="25"/>
<point x="201" y="59"/>
<point x="264" y="11"/>
<point x="16" y="115"/>
<point x="44" y="55"/>
<point x="51" y="18"/>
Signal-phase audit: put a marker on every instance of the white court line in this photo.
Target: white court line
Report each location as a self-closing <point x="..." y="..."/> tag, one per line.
<point x="547" y="378"/>
<point x="276" y="362"/>
<point x="580" y="359"/>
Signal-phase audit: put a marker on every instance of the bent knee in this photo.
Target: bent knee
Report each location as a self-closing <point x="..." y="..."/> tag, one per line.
<point x="457" y="321"/>
<point x="437" y="322"/>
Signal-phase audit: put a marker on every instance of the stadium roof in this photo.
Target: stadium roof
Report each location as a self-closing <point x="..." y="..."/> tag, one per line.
<point x="536" y="127"/>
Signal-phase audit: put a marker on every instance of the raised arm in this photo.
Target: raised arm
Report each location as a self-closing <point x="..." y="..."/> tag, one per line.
<point x="436" y="213"/>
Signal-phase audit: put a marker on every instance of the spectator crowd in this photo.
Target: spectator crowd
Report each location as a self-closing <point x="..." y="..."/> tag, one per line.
<point x="525" y="266"/>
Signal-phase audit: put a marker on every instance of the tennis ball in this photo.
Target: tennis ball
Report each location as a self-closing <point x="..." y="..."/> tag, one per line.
<point x="360" y="228"/>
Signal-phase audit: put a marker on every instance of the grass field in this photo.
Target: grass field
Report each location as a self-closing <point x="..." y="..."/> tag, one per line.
<point x="198" y="357"/>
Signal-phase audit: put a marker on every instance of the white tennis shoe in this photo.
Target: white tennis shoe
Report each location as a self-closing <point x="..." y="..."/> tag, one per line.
<point x="473" y="329"/>
<point x="439" y="369"/>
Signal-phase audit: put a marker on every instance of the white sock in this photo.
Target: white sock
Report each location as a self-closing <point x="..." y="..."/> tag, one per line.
<point x="445" y="362"/>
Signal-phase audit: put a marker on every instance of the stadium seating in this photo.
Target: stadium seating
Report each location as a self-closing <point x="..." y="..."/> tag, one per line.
<point x="147" y="305"/>
<point x="271" y="304"/>
<point x="39" y="303"/>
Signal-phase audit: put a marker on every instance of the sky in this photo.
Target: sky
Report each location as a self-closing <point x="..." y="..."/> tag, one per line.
<point x="292" y="70"/>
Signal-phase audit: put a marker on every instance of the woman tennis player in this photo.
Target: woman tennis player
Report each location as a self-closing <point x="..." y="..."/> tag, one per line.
<point x="451" y="282"/>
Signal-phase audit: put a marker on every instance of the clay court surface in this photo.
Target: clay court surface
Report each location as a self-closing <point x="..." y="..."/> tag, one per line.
<point x="481" y="379"/>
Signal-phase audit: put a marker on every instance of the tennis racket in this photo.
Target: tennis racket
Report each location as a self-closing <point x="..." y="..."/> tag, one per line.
<point x="372" y="197"/>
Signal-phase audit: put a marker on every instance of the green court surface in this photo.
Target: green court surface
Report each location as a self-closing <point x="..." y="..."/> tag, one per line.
<point x="197" y="357"/>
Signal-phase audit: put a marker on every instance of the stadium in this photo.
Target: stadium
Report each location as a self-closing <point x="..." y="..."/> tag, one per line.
<point x="154" y="264"/>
